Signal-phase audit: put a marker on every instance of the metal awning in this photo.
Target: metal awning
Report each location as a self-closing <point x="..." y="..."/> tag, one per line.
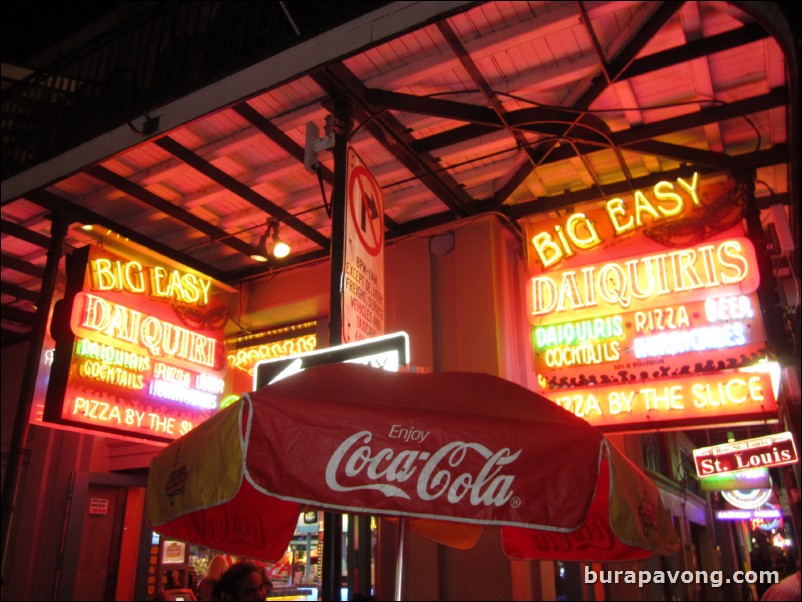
<point x="461" y="109"/>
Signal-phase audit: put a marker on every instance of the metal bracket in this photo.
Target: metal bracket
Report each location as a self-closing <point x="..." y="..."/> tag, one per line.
<point x="315" y="144"/>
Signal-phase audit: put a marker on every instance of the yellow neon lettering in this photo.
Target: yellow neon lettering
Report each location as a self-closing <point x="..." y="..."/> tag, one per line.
<point x="108" y="275"/>
<point x="102" y="277"/>
<point x="564" y="242"/>
<point x="642" y="204"/>
<point x="180" y="287"/>
<point x="174" y="288"/>
<point x="157" y="275"/>
<point x="668" y="202"/>
<point x="731" y="249"/>
<point x="663" y="398"/>
<point x="244" y="359"/>
<point x="547" y="250"/>
<point x="591" y="237"/>
<point x="581" y="406"/>
<point x="191" y="290"/>
<point x="664" y="191"/>
<point x="205" y="286"/>
<point x="614" y="208"/>
<point x="619" y="402"/>
<point x="692" y="188"/>
<point x="134" y="280"/>
<point x="736" y="391"/>
<point x="586" y="354"/>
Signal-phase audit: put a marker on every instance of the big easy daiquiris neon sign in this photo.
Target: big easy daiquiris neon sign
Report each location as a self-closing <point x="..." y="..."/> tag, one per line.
<point x="139" y="348"/>
<point x="635" y="301"/>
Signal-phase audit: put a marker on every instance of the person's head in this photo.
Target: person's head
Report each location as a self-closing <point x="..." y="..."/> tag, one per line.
<point x="243" y="581"/>
<point x="217" y="566"/>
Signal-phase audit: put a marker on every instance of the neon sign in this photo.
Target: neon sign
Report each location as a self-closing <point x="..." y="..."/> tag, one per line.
<point x="143" y="354"/>
<point x="674" y="214"/>
<point x="246" y="359"/>
<point x="771" y="513"/>
<point x="657" y="342"/>
<point x="768" y="519"/>
<point x="584" y="331"/>
<point x="99" y="317"/>
<point x="114" y="375"/>
<point x="671" y="293"/>
<point x="280" y="342"/>
<point x="92" y="411"/>
<point x="751" y="478"/>
<point x="747" y="499"/>
<point x="580" y="232"/>
<point x="676" y="402"/>
<point x="156" y="281"/>
<point x="683" y="275"/>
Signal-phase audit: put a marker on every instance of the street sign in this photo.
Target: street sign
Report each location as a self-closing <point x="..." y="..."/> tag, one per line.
<point x="363" y="255"/>
<point x="771" y="450"/>
<point x="389" y="352"/>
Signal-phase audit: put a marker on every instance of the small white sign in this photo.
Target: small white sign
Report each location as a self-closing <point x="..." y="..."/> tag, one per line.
<point x="99" y="505"/>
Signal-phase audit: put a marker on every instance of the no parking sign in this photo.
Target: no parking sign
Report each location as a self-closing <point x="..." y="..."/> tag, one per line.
<point x="363" y="264"/>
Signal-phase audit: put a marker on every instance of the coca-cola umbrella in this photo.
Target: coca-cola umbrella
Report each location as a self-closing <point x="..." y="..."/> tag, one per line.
<point x="437" y="449"/>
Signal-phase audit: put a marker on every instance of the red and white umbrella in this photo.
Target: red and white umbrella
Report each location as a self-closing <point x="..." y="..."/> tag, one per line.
<point x="454" y="449"/>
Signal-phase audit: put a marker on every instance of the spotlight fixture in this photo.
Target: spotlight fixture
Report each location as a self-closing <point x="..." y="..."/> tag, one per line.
<point x="259" y="252"/>
<point x="278" y="248"/>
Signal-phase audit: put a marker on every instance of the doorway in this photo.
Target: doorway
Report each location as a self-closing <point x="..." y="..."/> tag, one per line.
<point x="103" y="536"/>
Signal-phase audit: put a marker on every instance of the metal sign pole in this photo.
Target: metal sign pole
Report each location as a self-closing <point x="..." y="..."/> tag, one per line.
<point x="399" y="566"/>
<point x="332" y="522"/>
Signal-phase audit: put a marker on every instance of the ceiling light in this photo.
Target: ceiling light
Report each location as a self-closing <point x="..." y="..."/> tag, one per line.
<point x="259" y="252"/>
<point x="278" y="248"/>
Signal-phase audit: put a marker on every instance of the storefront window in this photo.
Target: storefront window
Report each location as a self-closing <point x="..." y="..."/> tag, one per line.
<point x="653" y="456"/>
<point x="179" y="569"/>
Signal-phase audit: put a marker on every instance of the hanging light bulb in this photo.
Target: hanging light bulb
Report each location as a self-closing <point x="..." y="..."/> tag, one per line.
<point x="280" y="248"/>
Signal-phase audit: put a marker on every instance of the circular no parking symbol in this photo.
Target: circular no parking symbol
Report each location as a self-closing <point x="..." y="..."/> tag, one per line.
<point x="366" y="208"/>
